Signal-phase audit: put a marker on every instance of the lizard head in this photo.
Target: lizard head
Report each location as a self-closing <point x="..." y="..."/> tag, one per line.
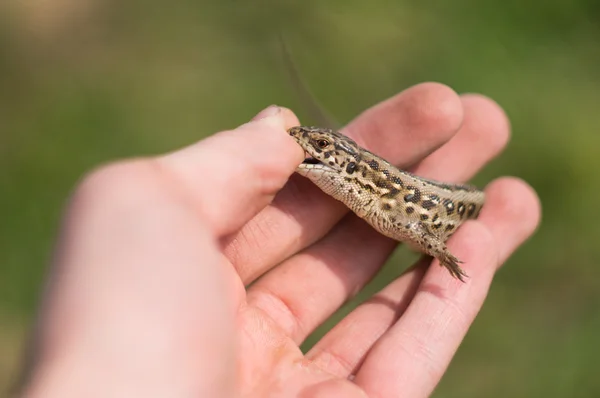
<point x="326" y="149"/>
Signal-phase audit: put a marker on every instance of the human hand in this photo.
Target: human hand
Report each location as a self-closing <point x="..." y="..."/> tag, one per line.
<point x="148" y="292"/>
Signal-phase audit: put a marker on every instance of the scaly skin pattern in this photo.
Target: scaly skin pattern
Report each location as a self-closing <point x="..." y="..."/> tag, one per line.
<point x="420" y="212"/>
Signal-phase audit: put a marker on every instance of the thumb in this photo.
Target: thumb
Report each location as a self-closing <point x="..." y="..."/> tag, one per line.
<point x="232" y="175"/>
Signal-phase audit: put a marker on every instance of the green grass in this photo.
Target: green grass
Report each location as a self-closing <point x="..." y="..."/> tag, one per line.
<point x="142" y="78"/>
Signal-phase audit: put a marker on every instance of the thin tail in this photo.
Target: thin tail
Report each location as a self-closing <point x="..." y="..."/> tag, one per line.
<point x="314" y="108"/>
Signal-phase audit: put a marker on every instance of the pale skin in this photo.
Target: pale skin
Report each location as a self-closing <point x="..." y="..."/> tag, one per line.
<point x="147" y="294"/>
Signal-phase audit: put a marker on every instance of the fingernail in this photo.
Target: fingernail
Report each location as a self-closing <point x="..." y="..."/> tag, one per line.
<point x="269" y="111"/>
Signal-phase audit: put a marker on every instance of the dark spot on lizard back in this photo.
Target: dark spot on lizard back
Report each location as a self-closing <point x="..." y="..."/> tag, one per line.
<point x="392" y="193"/>
<point x="461" y="209"/>
<point x="381" y="183"/>
<point x="428" y="204"/>
<point x="387" y="206"/>
<point x="369" y="187"/>
<point x="409" y="210"/>
<point x="351" y="168"/>
<point x="437" y="221"/>
<point x="373" y="164"/>
<point x="449" y="205"/>
<point x="434" y="198"/>
<point x="470" y="209"/>
<point x="424" y="217"/>
<point x="414" y="196"/>
<point x="396" y="180"/>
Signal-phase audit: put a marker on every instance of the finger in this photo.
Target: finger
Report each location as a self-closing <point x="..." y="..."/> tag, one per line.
<point x="338" y="266"/>
<point x="410" y="125"/>
<point x="503" y="213"/>
<point x="483" y="135"/>
<point x="232" y="175"/>
<point x="415" y="352"/>
<point x="403" y="129"/>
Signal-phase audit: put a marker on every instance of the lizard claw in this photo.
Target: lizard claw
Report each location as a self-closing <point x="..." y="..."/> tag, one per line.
<point x="451" y="263"/>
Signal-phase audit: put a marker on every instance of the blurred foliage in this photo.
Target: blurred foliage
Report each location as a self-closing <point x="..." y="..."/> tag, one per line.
<point x="83" y="82"/>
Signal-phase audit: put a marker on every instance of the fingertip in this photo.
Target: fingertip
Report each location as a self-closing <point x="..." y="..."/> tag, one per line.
<point x="474" y="235"/>
<point x="289" y="118"/>
<point x="482" y="136"/>
<point x="269" y="111"/>
<point x="487" y="119"/>
<point x="411" y="124"/>
<point x="432" y="106"/>
<point x="252" y="161"/>
<point x="271" y="117"/>
<point x="476" y="247"/>
<point x="516" y="199"/>
<point x="474" y="239"/>
<point x="512" y="211"/>
<point x="279" y="116"/>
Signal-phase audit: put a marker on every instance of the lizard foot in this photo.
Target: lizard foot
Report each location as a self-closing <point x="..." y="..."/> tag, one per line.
<point x="451" y="263"/>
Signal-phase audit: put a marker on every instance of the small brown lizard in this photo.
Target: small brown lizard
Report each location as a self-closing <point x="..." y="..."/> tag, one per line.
<point x="421" y="212"/>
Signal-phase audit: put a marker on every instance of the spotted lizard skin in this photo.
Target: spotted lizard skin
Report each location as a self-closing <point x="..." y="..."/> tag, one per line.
<point x="420" y="212"/>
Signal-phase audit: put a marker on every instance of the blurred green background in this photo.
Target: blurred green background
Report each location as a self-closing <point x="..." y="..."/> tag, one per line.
<point x="84" y="82"/>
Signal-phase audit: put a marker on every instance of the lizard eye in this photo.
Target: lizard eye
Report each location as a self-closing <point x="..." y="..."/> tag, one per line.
<point x="322" y="143"/>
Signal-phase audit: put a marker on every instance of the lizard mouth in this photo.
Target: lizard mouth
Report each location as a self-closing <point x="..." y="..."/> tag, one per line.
<point x="311" y="163"/>
<point x="311" y="160"/>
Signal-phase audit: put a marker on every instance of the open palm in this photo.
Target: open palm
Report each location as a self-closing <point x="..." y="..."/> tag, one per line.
<point x="200" y="272"/>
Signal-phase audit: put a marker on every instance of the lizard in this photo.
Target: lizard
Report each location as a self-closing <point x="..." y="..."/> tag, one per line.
<point x="421" y="212"/>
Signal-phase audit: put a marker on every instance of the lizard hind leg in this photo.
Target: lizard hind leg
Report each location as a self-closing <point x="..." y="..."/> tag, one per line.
<point x="432" y="245"/>
<point x="449" y="261"/>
